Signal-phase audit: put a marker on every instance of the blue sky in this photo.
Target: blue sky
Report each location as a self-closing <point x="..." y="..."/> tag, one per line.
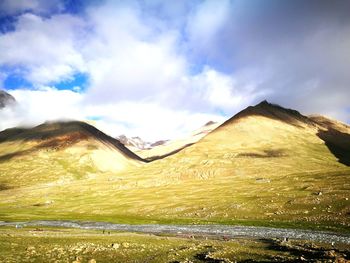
<point x="158" y="69"/>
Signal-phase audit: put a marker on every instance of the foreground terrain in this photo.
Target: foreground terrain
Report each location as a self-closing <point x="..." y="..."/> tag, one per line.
<point x="71" y="245"/>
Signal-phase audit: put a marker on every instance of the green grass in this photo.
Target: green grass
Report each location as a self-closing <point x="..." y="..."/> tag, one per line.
<point x="102" y="200"/>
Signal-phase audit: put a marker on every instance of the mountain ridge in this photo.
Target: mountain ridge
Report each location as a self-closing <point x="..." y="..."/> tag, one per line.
<point x="272" y="111"/>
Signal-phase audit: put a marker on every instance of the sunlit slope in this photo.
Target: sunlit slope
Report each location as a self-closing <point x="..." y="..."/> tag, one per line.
<point x="59" y="152"/>
<point x="265" y="166"/>
<point x="263" y="140"/>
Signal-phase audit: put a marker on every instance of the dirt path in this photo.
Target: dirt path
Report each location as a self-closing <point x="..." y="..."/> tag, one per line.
<point x="204" y="230"/>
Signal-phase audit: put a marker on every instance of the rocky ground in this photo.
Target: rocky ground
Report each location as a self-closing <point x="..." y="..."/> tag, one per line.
<point x="201" y="230"/>
<point x="57" y="244"/>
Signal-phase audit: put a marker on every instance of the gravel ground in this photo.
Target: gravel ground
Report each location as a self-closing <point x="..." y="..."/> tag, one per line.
<point x="205" y="230"/>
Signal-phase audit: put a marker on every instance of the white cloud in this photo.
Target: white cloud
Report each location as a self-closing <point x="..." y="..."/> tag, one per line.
<point x="13" y="7"/>
<point x="126" y="59"/>
<point x="37" y="106"/>
<point x="154" y="77"/>
<point x="45" y="49"/>
<point x="148" y="120"/>
<point x="204" y="24"/>
<point x="140" y="81"/>
<point x="221" y="90"/>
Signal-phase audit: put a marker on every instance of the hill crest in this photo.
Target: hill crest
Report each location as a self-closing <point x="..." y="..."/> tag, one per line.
<point x="271" y="111"/>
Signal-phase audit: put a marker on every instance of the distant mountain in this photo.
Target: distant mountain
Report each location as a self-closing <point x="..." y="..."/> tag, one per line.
<point x="134" y="143"/>
<point x="6" y="99"/>
<point x="137" y="144"/>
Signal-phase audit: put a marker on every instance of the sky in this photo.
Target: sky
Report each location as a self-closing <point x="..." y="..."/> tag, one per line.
<point x="160" y="69"/>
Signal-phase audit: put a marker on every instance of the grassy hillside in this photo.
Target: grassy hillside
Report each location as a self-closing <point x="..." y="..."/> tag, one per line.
<point x="265" y="166"/>
<point x="59" y="152"/>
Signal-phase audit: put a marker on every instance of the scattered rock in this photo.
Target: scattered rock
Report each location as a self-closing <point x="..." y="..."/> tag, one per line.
<point x="331" y="254"/>
<point x="92" y="261"/>
<point x="342" y="260"/>
<point x="263" y="180"/>
<point x="77" y="260"/>
<point x="115" y="245"/>
<point x="125" y="244"/>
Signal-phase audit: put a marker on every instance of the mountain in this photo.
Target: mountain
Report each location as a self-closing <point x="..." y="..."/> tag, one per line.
<point x="134" y="143"/>
<point x="270" y="131"/>
<point x="6" y="99"/>
<point x="137" y="144"/>
<point x="267" y="166"/>
<point x="56" y="151"/>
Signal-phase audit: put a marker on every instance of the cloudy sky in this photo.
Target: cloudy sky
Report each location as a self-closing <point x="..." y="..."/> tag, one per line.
<point x="159" y="69"/>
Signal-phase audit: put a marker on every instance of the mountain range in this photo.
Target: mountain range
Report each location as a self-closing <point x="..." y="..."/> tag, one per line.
<point x="265" y="165"/>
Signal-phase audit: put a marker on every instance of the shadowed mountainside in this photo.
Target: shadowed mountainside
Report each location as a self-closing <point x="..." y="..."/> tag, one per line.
<point x="338" y="143"/>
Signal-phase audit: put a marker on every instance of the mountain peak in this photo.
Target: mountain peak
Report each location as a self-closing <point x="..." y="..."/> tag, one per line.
<point x="262" y="103"/>
<point x="272" y="111"/>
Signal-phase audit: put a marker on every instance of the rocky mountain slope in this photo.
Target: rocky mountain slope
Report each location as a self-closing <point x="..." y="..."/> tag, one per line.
<point x="134" y="143"/>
